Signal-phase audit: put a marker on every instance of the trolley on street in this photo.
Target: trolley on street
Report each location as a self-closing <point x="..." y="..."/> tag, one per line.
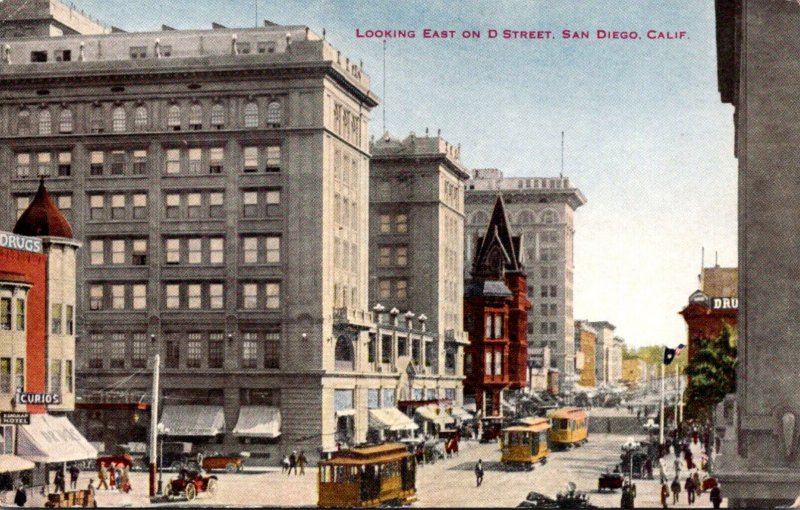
<point x="524" y="445"/>
<point x="368" y="477"/>
<point x="570" y="427"/>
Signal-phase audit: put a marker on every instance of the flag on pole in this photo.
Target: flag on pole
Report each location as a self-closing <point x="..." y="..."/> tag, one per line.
<point x="671" y="354"/>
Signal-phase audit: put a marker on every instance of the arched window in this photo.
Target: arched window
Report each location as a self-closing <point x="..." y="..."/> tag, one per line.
<point x="196" y="116"/>
<point x="65" y="121"/>
<point x="344" y="353"/>
<point x="251" y="115"/>
<point x="174" y="117"/>
<point x="549" y="217"/>
<point x="525" y="217"/>
<point x="480" y="218"/>
<point x="217" y="116"/>
<point x="24" y="122"/>
<point x="118" y="120"/>
<point x="140" y="118"/>
<point x="274" y="114"/>
<point x="45" y="122"/>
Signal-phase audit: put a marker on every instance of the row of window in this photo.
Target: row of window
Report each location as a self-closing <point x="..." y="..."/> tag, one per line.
<point x="548" y="309"/>
<point x="62" y="319"/>
<point x="547" y="217"/>
<point x="62" y="372"/>
<point x="12" y="314"/>
<point x="345" y="255"/>
<point x="396" y="288"/>
<point x="122" y="119"/>
<point x="10" y="381"/>
<point x="258" y="349"/>
<point x="194" y="296"/>
<point x="345" y="168"/>
<point x="347" y="124"/>
<point x="195" y="160"/>
<point x="345" y="212"/>
<point x="387" y="348"/>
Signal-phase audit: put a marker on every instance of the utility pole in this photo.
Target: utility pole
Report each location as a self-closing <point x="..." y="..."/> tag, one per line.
<point x="678" y="387"/>
<point x="154" y="425"/>
<point x="661" y="414"/>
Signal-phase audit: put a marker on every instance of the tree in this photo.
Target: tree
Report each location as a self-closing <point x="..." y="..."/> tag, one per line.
<point x="712" y="375"/>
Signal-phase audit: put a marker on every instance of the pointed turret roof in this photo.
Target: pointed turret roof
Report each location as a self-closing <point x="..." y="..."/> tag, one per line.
<point x="498" y="242"/>
<point x="42" y="218"/>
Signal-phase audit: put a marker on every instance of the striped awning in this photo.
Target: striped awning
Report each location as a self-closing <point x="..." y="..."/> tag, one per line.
<point x="434" y="413"/>
<point x="390" y="418"/>
<point x="258" y="421"/>
<point x="189" y="420"/>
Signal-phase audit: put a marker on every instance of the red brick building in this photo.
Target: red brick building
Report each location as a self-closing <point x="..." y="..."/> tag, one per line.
<point x="712" y="307"/>
<point x="495" y="316"/>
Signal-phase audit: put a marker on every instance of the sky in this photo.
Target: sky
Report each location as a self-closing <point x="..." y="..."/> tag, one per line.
<point x="647" y="139"/>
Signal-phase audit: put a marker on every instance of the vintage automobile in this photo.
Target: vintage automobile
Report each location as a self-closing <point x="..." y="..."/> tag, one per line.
<point x="611" y="479"/>
<point x="189" y="484"/>
<point x="492" y="428"/>
<point x="123" y="459"/>
<point x="232" y="463"/>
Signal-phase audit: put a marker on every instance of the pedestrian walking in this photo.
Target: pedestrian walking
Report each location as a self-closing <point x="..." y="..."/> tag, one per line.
<point x="479" y="473"/>
<point x="716" y="496"/>
<point x="698" y="487"/>
<point x="664" y="494"/>
<point x="690" y="488"/>
<point x="695" y="434"/>
<point x="648" y="468"/>
<point x="74" y="472"/>
<point x="688" y="457"/>
<point x="301" y="462"/>
<point x="119" y="478"/>
<point x="285" y="464"/>
<point x="677" y="465"/>
<point x="90" y="488"/>
<point x="661" y="471"/>
<point x="59" y="481"/>
<point x="20" y="498"/>
<point x="676" y="490"/>
<point x="102" y="475"/>
<point x="112" y="477"/>
<point x="293" y="462"/>
<point x="125" y="481"/>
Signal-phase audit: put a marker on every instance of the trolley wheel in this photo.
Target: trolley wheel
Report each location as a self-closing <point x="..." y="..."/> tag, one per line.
<point x="529" y="467"/>
<point x="191" y="491"/>
<point x="543" y="461"/>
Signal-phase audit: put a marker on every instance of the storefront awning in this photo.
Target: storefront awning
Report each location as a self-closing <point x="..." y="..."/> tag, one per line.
<point x="12" y="463"/>
<point x="460" y="413"/>
<point x="188" y="420"/>
<point x="258" y="421"/>
<point x="435" y="414"/>
<point x="390" y="418"/>
<point x="52" y="439"/>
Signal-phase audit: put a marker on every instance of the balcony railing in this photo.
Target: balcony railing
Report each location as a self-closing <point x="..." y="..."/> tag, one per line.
<point x="343" y="316"/>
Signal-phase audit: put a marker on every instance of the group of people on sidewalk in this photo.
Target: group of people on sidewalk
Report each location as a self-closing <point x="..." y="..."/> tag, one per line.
<point x="693" y="485"/>
<point x="294" y="461"/>
<point x="113" y="477"/>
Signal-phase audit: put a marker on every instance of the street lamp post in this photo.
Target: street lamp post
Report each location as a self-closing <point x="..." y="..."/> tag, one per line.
<point x="162" y="430"/>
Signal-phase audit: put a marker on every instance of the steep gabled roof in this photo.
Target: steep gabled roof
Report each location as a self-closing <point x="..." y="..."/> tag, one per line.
<point x="497" y="243"/>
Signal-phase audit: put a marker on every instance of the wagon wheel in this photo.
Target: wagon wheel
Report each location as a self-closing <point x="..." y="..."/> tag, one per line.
<point x="230" y="467"/>
<point x="191" y="491"/>
<point x="211" y="488"/>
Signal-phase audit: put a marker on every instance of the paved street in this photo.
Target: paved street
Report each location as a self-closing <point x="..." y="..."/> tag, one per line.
<point x="448" y="483"/>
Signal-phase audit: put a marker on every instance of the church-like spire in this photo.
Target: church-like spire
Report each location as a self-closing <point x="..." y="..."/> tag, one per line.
<point x="498" y="250"/>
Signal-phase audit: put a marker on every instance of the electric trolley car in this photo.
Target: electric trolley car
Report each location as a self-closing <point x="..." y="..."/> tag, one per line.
<point x="526" y="444"/>
<point x="569" y="427"/>
<point x="368" y="476"/>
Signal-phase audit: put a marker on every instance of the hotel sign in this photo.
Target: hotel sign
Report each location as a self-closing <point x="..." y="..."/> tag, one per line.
<point x="22" y="243"/>
<point x="725" y="303"/>
<point x="8" y="418"/>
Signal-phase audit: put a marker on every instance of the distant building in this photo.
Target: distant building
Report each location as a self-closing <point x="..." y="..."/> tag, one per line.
<point x="711" y="307"/>
<point x="605" y="343"/>
<point x="586" y="345"/>
<point x="615" y="359"/>
<point x="634" y="372"/>
<point x="416" y="241"/>
<point x="496" y="315"/>
<point x="45" y="18"/>
<point x="541" y="211"/>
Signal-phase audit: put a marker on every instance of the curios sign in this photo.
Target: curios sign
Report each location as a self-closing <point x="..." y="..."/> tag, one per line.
<point x="38" y="398"/>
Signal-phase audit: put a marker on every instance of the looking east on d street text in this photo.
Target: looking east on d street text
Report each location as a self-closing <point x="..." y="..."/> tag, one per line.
<point x="566" y="34"/>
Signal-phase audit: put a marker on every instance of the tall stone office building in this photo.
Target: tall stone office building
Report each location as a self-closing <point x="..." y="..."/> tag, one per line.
<point x="416" y="241"/>
<point x="757" y="47"/>
<point x="202" y="170"/>
<point x="541" y="210"/>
